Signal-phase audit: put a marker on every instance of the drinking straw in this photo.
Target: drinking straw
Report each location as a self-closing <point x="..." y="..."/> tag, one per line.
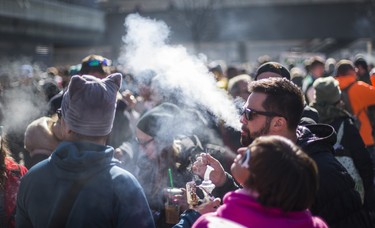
<point x="170" y="176"/>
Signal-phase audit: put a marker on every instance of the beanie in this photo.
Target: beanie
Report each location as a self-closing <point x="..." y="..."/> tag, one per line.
<point x="88" y="106"/>
<point x="273" y="67"/>
<point x="160" y="120"/>
<point x="327" y="90"/>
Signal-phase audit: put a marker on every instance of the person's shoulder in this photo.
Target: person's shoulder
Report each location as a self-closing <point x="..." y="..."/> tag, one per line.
<point x="121" y="175"/>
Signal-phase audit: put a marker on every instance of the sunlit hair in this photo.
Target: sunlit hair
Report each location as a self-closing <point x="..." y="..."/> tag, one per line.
<point x="283" y="97"/>
<point x="283" y="175"/>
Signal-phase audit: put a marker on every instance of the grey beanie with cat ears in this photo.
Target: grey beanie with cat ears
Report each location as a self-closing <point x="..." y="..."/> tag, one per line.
<point x="88" y="106"/>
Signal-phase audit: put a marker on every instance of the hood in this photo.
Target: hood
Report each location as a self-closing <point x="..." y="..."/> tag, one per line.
<point x="80" y="160"/>
<point x="313" y="135"/>
<point x="244" y="209"/>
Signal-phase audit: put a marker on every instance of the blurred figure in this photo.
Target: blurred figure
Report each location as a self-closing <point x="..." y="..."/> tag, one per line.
<point x="42" y="136"/>
<point x="315" y="70"/>
<point x="297" y="76"/>
<point x="10" y="175"/>
<point x="232" y="71"/>
<point x="95" y="65"/>
<point x="329" y="68"/>
<point x="372" y="76"/>
<point x="363" y="73"/>
<point x="329" y="105"/>
<point x="217" y="69"/>
<point x="257" y="204"/>
<point x="361" y="96"/>
<point x="164" y="147"/>
<point x="80" y="185"/>
<point x="238" y="86"/>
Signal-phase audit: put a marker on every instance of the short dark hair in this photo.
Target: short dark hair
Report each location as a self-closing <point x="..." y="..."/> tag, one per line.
<point x="283" y="97"/>
<point x="292" y="182"/>
<point x="343" y="67"/>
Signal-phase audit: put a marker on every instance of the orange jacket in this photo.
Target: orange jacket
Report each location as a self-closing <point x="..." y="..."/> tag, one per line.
<point x="361" y="95"/>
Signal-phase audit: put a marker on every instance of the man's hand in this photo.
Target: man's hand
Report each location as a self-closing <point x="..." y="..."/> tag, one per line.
<point x="207" y="207"/>
<point x="217" y="176"/>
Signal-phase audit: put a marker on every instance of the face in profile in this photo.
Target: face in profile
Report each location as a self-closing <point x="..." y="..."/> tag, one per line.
<point x="146" y="144"/>
<point x="254" y="121"/>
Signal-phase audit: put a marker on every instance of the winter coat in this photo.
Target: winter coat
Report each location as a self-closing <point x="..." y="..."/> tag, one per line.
<point x="13" y="172"/>
<point x="111" y="196"/>
<point x="243" y="209"/>
<point x="337" y="202"/>
<point x="361" y="96"/>
<point x="352" y="144"/>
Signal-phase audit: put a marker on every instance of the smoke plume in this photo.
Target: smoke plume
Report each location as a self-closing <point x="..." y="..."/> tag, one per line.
<point x="146" y="48"/>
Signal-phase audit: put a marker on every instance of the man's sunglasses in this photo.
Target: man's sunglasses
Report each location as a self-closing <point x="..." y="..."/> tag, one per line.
<point x="251" y="113"/>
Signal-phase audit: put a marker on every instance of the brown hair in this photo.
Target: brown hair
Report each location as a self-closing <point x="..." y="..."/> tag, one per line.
<point x="283" y="175"/>
<point x="283" y="97"/>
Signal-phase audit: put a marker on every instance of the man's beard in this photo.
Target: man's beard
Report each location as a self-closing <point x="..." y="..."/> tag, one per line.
<point x="247" y="139"/>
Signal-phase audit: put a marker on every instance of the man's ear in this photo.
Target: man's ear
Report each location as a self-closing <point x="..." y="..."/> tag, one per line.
<point x="278" y="124"/>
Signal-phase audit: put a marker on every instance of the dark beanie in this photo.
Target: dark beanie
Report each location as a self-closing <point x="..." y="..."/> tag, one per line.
<point x="327" y="90"/>
<point x="159" y="120"/>
<point x="273" y="67"/>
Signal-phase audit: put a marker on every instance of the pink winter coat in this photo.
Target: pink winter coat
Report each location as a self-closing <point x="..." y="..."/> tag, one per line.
<point x="244" y="210"/>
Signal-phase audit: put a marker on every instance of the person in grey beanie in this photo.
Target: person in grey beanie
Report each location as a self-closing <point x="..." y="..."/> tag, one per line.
<point x="80" y="184"/>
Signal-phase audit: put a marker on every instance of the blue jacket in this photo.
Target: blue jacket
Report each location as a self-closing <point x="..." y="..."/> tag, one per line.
<point x="112" y="197"/>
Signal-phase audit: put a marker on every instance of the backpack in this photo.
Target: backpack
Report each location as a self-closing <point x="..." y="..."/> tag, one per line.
<point x="348" y="105"/>
<point x="344" y="157"/>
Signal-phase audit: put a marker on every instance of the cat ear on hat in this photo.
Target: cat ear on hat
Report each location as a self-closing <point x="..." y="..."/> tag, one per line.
<point x="76" y="84"/>
<point x="115" y="78"/>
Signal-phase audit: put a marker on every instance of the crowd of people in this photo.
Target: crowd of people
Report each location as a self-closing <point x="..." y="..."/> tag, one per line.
<point x="97" y="146"/>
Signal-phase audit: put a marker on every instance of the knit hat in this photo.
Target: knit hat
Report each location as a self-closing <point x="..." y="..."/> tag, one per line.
<point x="88" y="106"/>
<point x="327" y="90"/>
<point x="273" y="67"/>
<point x="160" y="120"/>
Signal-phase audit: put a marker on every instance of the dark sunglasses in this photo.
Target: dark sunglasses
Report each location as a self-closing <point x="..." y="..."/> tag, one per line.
<point x="251" y="113"/>
<point x="58" y="112"/>
<point x="95" y="62"/>
<point x="143" y="144"/>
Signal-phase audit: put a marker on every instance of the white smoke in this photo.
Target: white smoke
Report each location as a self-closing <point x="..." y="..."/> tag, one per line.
<point x="146" y="48"/>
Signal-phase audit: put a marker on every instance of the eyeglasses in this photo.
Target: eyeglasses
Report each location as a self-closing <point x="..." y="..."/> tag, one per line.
<point x="251" y="113"/>
<point x="59" y="114"/>
<point x="96" y="62"/>
<point x="245" y="160"/>
<point x="144" y="144"/>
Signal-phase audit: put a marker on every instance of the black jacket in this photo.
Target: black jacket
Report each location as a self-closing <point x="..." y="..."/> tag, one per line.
<point x="336" y="202"/>
<point x="354" y="145"/>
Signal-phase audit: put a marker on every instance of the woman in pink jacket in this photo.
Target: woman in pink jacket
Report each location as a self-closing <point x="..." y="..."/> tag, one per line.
<point x="279" y="183"/>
